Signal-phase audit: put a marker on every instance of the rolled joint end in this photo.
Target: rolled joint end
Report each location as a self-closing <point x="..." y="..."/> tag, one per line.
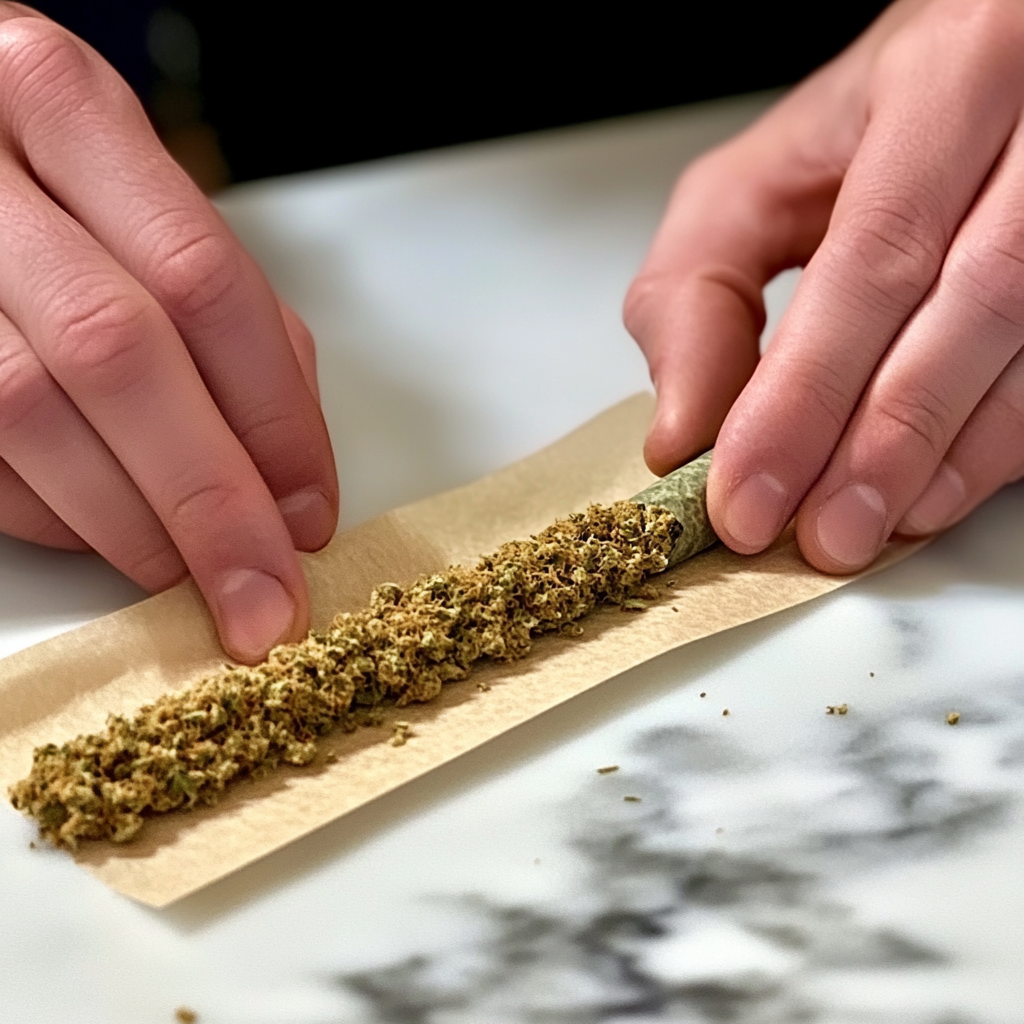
<point x="684" y="493"/>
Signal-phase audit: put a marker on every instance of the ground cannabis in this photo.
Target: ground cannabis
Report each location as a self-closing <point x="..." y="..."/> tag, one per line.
<point x="837" y="709"/>
<point x="608" y="769"/>
<point x="683" y="492"/>
<point x="402" y="734"/>
<point x="184" y="748"/>
<point x="953" y="718"/>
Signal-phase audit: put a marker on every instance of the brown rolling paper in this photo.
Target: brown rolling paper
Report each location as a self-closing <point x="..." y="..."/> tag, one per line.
<point x="69" y="685"/>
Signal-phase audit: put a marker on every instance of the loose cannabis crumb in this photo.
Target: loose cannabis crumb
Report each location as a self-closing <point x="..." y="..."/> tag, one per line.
<point x="703" y="694"/>
<point x="483" y="687"/>
<point x="632" y="799"/>
<point x="608" y="769"/>
<point x="953" y="717"/>
<point x="185" y="1016"/>
<point x="837" y="709"/>
<point x="674" y="608"/>
<point x="182" y="750"/>
<point x="872" y="674"/>
<point x="725" y="712"/>
<point x="402" y="734"/>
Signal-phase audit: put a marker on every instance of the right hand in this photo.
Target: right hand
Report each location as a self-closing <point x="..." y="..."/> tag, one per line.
<point x="158" y="404"/>
<point x="891" y="398"/>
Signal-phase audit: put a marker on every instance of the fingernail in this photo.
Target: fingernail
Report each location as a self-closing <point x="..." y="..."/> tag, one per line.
<point x="851" y="525"/>
<point x="755" y="512"/>
<point x="942" y="498"/>
<point x="256" y="613"/>
<point x="309" y="518"/>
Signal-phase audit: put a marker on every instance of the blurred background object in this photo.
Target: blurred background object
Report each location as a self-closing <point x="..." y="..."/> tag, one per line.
<point x="157" y="49"/>
<point x="237" y="93"/>
<point x="175" y="99"/>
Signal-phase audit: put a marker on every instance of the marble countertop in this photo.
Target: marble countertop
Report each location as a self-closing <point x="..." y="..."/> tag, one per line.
<point x="782" y="864"/>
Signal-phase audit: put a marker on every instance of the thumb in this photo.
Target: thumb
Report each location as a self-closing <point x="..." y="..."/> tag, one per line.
<point x="738" y="216"/>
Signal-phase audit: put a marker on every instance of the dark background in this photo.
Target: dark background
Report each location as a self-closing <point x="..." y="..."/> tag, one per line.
<point x="239" y="94"/>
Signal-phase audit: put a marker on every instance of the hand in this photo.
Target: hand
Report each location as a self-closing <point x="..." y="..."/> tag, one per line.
<point x="157" y="403"/>
<point x="891" y="398"/>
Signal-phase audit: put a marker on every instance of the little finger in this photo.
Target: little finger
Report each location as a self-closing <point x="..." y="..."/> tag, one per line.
<point x="987" y="454"/>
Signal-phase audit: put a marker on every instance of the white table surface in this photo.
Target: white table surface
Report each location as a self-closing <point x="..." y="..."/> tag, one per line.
<point x="783" y="866"/>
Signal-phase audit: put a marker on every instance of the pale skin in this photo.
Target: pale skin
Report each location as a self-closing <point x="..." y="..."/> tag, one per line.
<point x="158" y="404"/>
<point x="891" y="398"/>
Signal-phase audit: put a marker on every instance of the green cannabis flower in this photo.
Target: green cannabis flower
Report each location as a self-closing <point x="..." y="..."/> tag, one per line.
<point x="185" y="748"/>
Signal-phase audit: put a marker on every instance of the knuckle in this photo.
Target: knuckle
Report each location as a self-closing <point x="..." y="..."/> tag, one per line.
<point x="919" y="412"/>
<point x="24" y="387"/>
<point x="204" y="503"/>
<point x="897" y="244"/>
<point x="991" y="274"/>
<point x="290" y="450"/>
<point x="983" y="23"/>
<point x="269" y="429"/>
<point x="820" y="394"/>
<point x="40" y="62"/>
<point x="194" y="273"/>
<point x="31" y="43"/>
<point x="154" y="565"/>
<point x="1009" y="409"/>
<point x="964" y="30"/>
<point x="101" y="342"/>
